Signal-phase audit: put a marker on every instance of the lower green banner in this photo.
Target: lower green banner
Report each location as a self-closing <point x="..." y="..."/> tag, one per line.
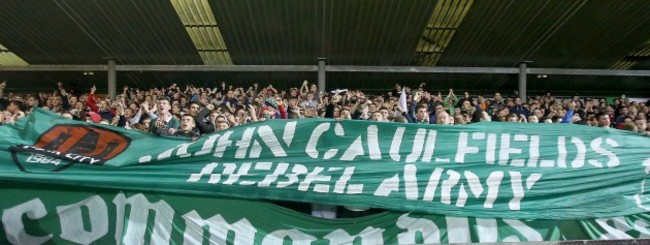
<point x="37" y="214"/>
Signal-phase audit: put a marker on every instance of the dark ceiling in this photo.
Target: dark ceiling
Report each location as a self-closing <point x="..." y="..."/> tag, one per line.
<point x="592" y="34"/>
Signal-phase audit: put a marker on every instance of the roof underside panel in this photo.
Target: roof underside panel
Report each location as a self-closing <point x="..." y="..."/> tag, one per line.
<point x="289" y="32"/>
<point x="41" y="33"/>
<point x="553" y="33"/>
<point x="594" y="34"/>
<point x="87" y="31"/>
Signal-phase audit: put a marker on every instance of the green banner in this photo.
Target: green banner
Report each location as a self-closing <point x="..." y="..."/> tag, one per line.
<point x="65" y="215"/>
<point x="487" y="170"/>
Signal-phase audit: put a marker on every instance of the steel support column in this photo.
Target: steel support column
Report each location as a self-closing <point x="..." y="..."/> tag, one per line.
<point x="321" y="75"/>
<point x="522" y="81"/>
<point x="112" y="83"/>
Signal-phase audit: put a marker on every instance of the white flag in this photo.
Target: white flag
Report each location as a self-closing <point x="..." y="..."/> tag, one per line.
<point x="402" y="100"/>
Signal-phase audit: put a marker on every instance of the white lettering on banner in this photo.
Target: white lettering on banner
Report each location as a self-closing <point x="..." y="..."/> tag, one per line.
<point x="338" y="131"/>
<point x="324" y="180"/>
<point x="234" y="177"/>
<point x="411" y="182"/>
<point x="418" y="144"/>
<point x="616" y="228"/>
<point x="519" y="162"/>
<point x="491" y="148"/>
<point x="289" y="131"/>
<point x="310" y="149"/>
<point x="206" y="170"/>
<point x="268" y="137"/>
<point x="487" y="229"/>
<point x="256" y="150"/>
<point x="136" y="225"/>
<point x="39" y="158"/>
<point x="561" y="156"/>
<point x="244" y="143"/>
<point x="396" y="144"/>
<point x="445" y="194"/>
<point x="42" y="159"/>
<point x="432" y="185"/>
<point x="12" y="221"/>
<point x="505" y="151"/>
<point x="130" y="228"/>
<point x="72" y="222"/>
<point x="218" y="228"/>
<point x="579" y="161"/>
<point x="207" y="145"/>
<point x="182" y="150"/>
<point x="640" y="197"/>
<point x="355" y="149"/>
<point x="458" y="230"/>
<point x="342" y="183"/>
<point x="223" y="142"/>
<point x="427" y="228"/>
<point x="518" y="189"/>
<point x="373" y="143"/>
<point x="596" y="146"/>
<point x="313" y="176"/>
<point x="368" y="236"/>
<point x="269" y="179"/>
<point x="300" y="175"/>
<point x="387" y="186"/>
<point x="493" y="182"/>
<point x="529" y="234"/>
<point x="533" y="151"/>
<point x="292" y="178"/>
<point x="464" y="148"/>
<point x="642" y="227"/>
<point x="500" y="148"/>
<point x="430" y="146"/>
<point x="81" y="158"/>
<point x="37" y="149"/>
<point x="295" y="236"/>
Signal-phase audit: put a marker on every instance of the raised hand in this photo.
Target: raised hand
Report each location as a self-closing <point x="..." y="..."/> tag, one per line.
<point x="399" y="108"/>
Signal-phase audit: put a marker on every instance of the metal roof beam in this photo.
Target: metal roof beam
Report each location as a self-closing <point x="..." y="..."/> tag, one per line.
<point x="220" y="68"/>
<point x="331" y="68"/>
<point x="53" y="67"/>
<point x="423" y="69"/>
<point x="589" y="72"/>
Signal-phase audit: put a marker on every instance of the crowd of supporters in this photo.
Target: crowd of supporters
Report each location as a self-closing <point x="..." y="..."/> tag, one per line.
<point x="193" y="111"/>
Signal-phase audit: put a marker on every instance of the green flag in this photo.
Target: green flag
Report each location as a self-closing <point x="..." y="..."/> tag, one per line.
<point x="485" y="170"/>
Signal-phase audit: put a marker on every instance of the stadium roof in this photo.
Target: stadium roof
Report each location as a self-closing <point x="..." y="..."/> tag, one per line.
<point x="590" y="34"/>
